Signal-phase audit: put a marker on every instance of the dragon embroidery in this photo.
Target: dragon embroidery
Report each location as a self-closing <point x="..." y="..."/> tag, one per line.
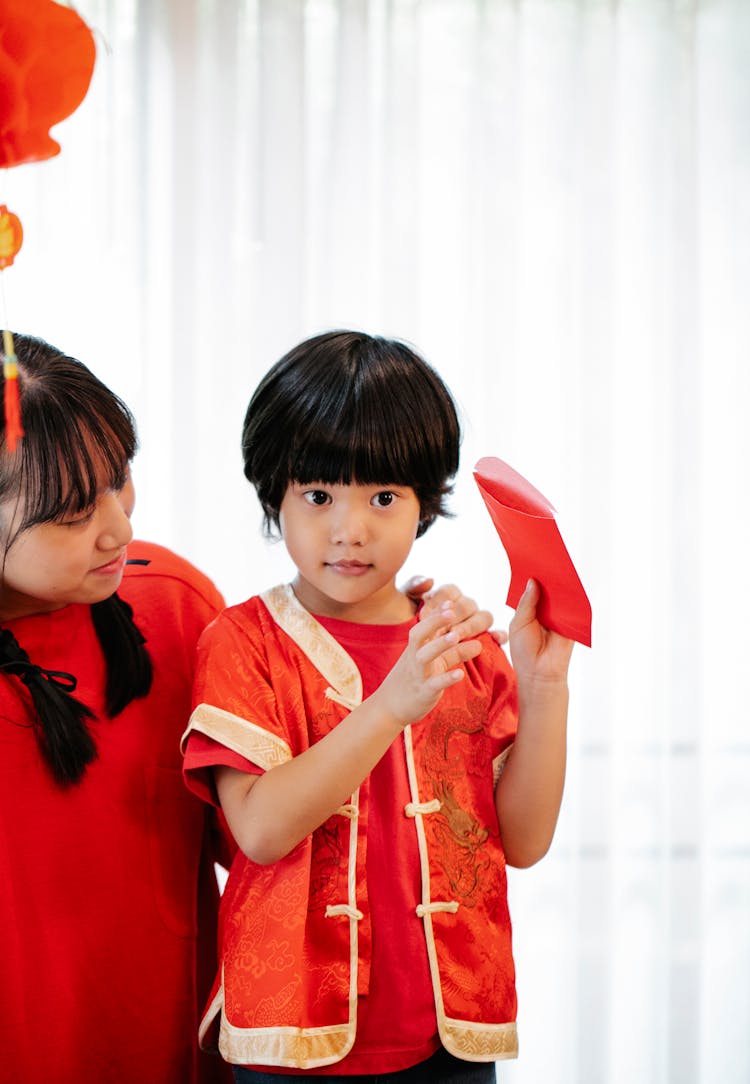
<point x="458" y="837"/>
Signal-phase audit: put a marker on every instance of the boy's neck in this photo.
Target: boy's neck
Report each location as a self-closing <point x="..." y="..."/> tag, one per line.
<point x="386" y="607"/>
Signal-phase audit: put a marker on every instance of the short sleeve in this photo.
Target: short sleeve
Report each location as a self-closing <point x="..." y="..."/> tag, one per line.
<point x="500" y="679"/>
<point x="202" y="755"/>
<point x="232" y="670"/>
<point x="236" y="719"/>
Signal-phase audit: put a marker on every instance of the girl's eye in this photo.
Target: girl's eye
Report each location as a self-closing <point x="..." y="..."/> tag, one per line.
<point x="78" y="521"/>
<point x="384" y="500"/>
<point x="122" y="481"/>
<point x="318" y="497"/>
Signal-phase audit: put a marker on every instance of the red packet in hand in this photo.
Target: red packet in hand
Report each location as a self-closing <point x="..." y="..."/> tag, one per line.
<point x="525" y="521"/>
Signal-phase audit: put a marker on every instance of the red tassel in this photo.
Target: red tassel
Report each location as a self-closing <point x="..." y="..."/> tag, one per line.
<point x="13" y="425"/>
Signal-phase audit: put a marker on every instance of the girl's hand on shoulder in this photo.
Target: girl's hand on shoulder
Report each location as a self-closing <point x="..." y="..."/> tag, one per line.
<point x="418" y="587"/>
<point x="537" y="653"/>
<point x="470" y="621"/>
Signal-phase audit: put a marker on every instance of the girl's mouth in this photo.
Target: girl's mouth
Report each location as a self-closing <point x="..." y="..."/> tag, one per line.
<point x="111" y="567"/>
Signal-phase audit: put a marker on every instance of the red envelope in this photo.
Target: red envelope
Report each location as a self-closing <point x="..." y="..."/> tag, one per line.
<point x="525" y="521"/>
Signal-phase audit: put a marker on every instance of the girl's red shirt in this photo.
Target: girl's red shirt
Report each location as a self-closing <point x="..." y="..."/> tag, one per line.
<point x="105" y="884"/>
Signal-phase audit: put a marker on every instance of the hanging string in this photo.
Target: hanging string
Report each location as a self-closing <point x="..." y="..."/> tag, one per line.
<point x="11" y="397"/>
<point x="11" y="239"/>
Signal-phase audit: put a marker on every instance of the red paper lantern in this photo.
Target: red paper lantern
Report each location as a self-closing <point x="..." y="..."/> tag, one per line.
<point x="47" y="55"/>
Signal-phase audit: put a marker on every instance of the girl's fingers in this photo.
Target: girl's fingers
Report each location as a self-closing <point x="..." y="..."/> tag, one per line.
<point x="417" y="587"/>
<point x="472" y="626"/>
<point x="462" y="606"/>
<point x="449" y="594"/>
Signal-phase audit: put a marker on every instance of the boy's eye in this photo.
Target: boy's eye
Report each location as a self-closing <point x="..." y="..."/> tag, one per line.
<point x="384" y="499"/>
<point x="317" y="497"/>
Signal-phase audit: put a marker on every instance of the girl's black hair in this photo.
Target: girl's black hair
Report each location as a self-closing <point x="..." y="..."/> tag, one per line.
<point x="347" y="407"/>
<point x="78" y="437"/>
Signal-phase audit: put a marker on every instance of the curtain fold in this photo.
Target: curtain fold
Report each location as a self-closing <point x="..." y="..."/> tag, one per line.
<point x="551" y="199"/>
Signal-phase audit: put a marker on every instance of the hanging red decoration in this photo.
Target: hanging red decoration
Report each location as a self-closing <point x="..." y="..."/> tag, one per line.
<point x="47" y="55"/>
<point x="11" y="398"/>
<point x="11" y="236"/>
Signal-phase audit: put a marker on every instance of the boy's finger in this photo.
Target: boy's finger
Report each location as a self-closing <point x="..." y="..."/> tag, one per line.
<point x="455" y="657"/>
<point x="526" y="608"/>
<point x="478" y="622"/>
<point x="450" y="653"/>
<point x="434" y="623"/>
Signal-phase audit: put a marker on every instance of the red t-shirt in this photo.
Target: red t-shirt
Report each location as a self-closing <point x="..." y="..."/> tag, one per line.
<point x="396" y="1023"/>
<point x="102" y="973"/>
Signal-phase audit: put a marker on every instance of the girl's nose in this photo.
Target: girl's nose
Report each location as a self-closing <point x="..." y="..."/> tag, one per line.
<point x="116" y="530"/>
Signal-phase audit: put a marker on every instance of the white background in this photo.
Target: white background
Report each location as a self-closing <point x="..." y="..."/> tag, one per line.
<point x="551" y="200"/>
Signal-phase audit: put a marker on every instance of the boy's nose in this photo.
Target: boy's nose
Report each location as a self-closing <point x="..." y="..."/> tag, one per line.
<point x="349" y="529"/>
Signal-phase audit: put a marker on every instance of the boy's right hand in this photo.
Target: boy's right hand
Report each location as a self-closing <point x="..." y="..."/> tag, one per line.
<point x="433" y="660"/>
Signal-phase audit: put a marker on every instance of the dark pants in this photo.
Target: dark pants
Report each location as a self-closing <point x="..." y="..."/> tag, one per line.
<point x="441" y="1068"/>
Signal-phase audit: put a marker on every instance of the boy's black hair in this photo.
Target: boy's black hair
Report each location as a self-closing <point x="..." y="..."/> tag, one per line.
<point x="347" y="407"/>
<point x="79" y="438"/>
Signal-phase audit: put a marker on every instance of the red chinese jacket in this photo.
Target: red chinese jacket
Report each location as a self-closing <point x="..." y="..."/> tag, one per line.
<point x="295" y="936"/>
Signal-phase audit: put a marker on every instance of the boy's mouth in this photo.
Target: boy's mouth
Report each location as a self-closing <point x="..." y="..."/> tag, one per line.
<point x="349" y="568"/>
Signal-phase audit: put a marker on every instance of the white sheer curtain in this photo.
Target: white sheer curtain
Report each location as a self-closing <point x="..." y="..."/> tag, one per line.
<point x="551" y="199"/>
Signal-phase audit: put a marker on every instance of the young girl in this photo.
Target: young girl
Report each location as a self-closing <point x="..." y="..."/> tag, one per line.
<point x="376" y="770"/>
<point x="105" y="860"/>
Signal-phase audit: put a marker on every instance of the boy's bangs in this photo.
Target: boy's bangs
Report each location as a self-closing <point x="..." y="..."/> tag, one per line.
<point x="69" y="461"/>
<point x="369" y="447"/>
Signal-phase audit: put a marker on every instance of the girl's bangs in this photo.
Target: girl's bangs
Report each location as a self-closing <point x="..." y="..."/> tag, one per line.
<point x="69" y="461"/>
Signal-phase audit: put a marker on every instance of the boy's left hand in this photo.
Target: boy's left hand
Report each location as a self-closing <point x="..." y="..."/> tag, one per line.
<point x="537" y="653"/>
